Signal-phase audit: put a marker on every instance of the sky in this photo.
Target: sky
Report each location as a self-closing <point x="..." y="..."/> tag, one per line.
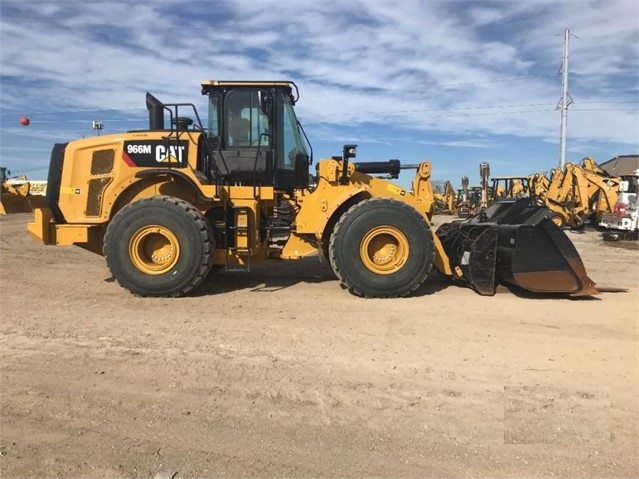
<point x="454" y="82"/>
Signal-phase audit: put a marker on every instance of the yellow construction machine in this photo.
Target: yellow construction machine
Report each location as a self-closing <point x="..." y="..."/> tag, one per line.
<point x="469" y="199"/>
<point x="510" y="186"/>
<point x="17" y="193"/>
<point x="579" y="193"/>
<point x="164" y="205"/>
<point x="445" y="203"/>
<point x="602" y="189"/>
<point x="462" y="206"/>
<point x="538" y="184"/>
<point x="486" y="191"/>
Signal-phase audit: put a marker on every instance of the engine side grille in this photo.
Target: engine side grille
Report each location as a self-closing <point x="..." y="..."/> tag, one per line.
<point x="94" y="201"/>
<point x="102" y="162"/>
<point x="101" y="175"/>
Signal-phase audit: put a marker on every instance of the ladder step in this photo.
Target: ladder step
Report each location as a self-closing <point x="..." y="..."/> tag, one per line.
<point x="240" y="234"/>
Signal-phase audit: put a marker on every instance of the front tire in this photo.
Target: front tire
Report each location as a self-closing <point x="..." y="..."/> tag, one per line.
<point x="159" y="246"/>
<point x="381" y="248"/>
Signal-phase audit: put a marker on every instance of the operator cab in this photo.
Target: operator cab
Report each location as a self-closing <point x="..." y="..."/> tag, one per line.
<point x="254" y="136"/>
<point x="510" y="187"/>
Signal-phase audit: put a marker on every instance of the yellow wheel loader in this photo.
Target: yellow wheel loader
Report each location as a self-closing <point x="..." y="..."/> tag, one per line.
<point x="16" y="194"/>
<point x="169" y="205"/>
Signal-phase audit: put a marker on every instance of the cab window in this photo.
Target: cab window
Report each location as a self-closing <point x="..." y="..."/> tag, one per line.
<point x="247" y="124"/>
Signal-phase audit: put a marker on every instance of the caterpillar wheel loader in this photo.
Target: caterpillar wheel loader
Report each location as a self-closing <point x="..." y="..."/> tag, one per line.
<point x="164" y="205"/>
<point x="17" y="194"/>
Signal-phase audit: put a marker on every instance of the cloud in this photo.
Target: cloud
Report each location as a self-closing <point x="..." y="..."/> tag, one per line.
<point x="460" y="69"/>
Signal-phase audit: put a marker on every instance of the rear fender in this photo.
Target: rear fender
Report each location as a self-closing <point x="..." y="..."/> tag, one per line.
<point x="154" y="184"/>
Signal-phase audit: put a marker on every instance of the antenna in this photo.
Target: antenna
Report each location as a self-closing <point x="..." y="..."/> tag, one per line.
<point x="565" y="100"/>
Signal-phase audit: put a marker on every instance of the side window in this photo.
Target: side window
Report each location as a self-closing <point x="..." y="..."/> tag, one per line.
<point x="213" y="128"/>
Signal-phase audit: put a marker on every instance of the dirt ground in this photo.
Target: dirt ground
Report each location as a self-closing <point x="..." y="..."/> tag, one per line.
<point x="280" y="373"/>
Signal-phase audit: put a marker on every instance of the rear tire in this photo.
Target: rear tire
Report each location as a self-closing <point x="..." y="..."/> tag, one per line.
<point x="159" y="246"/>
<point x="381" y="248"/>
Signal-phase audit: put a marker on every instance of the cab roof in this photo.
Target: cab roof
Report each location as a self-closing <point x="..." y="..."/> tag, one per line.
<point x="225" y="83"/>
<point x="209" y="86"/>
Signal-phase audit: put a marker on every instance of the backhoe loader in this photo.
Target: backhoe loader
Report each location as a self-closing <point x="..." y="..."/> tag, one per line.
<point x="445" y="203"/>
<point x="538" y="184"/>
<point x="510" y="187"/>
<point x="580" y="193"/>
<point x="469" y="199"/>
<point x="167" y="204"/>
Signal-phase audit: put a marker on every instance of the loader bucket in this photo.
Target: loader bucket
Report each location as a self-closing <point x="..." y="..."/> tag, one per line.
<point x="542" y="259"/>
<point x="518" y="246"/>
<point x="14" y="203"/>
<point x="10" y="203"/>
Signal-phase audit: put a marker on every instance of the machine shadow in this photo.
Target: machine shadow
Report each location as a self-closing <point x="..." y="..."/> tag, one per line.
<point x="267" y="278"/>
<point x="524" y="294"/>
<point x="279" y="275"/>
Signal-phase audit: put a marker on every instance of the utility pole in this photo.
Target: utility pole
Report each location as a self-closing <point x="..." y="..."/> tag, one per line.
<point x="565" y="100"/>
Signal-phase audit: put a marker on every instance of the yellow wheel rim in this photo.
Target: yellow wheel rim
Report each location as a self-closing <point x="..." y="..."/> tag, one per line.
<point x="384" y="250"/>
<point x="154" y="249"/>
<point x="558" y="220"/>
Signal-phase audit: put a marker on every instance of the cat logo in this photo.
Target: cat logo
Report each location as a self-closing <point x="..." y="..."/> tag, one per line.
<point x="172" y="154"/>
<point x="155" y="153"/>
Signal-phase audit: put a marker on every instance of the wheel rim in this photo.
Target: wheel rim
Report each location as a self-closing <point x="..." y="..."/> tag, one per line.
<point x="154" y="249"/>
<point x="558" y="220"/>
<point x="384" y="250"/>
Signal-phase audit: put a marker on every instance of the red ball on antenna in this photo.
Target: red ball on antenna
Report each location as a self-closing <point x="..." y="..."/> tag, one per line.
<point x="24" y="121"/>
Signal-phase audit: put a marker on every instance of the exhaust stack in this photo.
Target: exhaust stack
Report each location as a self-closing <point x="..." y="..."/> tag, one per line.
<point x="156" y="112"/>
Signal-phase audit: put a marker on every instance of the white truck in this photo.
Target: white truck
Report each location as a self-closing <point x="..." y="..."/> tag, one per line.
<point x="623" y="222"/>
